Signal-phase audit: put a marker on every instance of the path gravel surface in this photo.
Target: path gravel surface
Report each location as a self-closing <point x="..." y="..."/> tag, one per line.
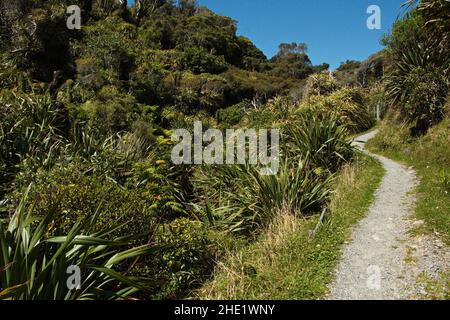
<point x="383" y="260"/>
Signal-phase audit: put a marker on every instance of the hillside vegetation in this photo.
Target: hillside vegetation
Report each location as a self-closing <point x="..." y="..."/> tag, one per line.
<point x="295" y="257"/>
<point x="416" y="130"/>
<point x="86" y="176"/>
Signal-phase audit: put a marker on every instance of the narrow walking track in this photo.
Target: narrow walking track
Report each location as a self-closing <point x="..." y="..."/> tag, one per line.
<point x="374" y="264"/>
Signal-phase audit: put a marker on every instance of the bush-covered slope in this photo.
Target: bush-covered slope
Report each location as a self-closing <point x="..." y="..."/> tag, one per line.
<point x="86" y="123"/>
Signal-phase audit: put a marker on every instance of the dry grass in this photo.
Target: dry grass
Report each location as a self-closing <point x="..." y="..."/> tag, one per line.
<point x="284" y="224"/>
<point x="237" y="268"/>
<point x="347" y="180"/>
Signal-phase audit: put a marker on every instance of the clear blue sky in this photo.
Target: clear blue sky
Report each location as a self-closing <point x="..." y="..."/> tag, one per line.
<point x="335" y="30"/>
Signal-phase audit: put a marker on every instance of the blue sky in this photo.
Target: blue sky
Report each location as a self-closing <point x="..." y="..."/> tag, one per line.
<point x="335" y="30"/>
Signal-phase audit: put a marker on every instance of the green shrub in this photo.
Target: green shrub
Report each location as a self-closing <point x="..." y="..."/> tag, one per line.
<point x="186" y="259"/>
<point x="391" y="137"/>
<point x="253" y="58"/>
<point x="320" y="84"/>
<point x="89" y="75"/>
<point x="29" y="131"/>
<point x="418" y="80"/>
<point x="144" y="132"/>
<point x="157" y="32"/>
<point x="353" y="109"/>
<point x="10" y="75"/>
<point x="350" y="105"/>
<point x="233" y="115"/>
<point x="321" y="140"/>
<point x="111" y="111"/>
<point x="435" y="12"/>
<point x="239" y="199"/>
<point x="200" y="92"/>
<point x="213" y="33"/>
<point x="34" y="266"/>
<point x="109" y="43"/>
<point x="200" y="61"/>
<point x="378" y="99"/>
<point x="73" y="194"/>
<point x="423" y="91"/>
<point x="165" y="186"/>
<point x="243" y="84"/>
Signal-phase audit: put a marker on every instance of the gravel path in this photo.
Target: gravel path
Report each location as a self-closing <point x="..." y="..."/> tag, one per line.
<point x="382" y="259"/>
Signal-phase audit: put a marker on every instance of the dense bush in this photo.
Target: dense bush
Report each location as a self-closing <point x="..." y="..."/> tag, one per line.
<point x="200" y="61"/>
<point x="186" y="259"/>
<point x="29" y="131"/>
<point x="72" y="194"/>
<point x="292" y="61"/>
<point x="35" y="265"/>
<point x="320" y="139"/>
<point x="233" y="115"/>
<point x="420" y="92"/>
<point x="349" y="105"/>
<point x="44" y="48"/>
<point x="111" y="111"/>
<point x="86" y="117"/>
<point x="418" y="81"/>
<point x="239" y="199"/>
<point x="253" y="58"/>
<point x="157" y="32"/>
<point x="109" y="42"/>
<point x="213" y="33"/>
<point x="378" y="100"/>
<point x="436" y="14"/>
<point x="148" y="86"/>
<point x="320" y="84"/>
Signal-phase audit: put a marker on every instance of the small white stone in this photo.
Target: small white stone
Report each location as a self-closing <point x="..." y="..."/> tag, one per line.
<point x="418" y="223"/>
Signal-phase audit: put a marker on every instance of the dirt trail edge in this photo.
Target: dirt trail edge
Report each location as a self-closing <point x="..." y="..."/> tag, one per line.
<point x="382" y="259"/>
